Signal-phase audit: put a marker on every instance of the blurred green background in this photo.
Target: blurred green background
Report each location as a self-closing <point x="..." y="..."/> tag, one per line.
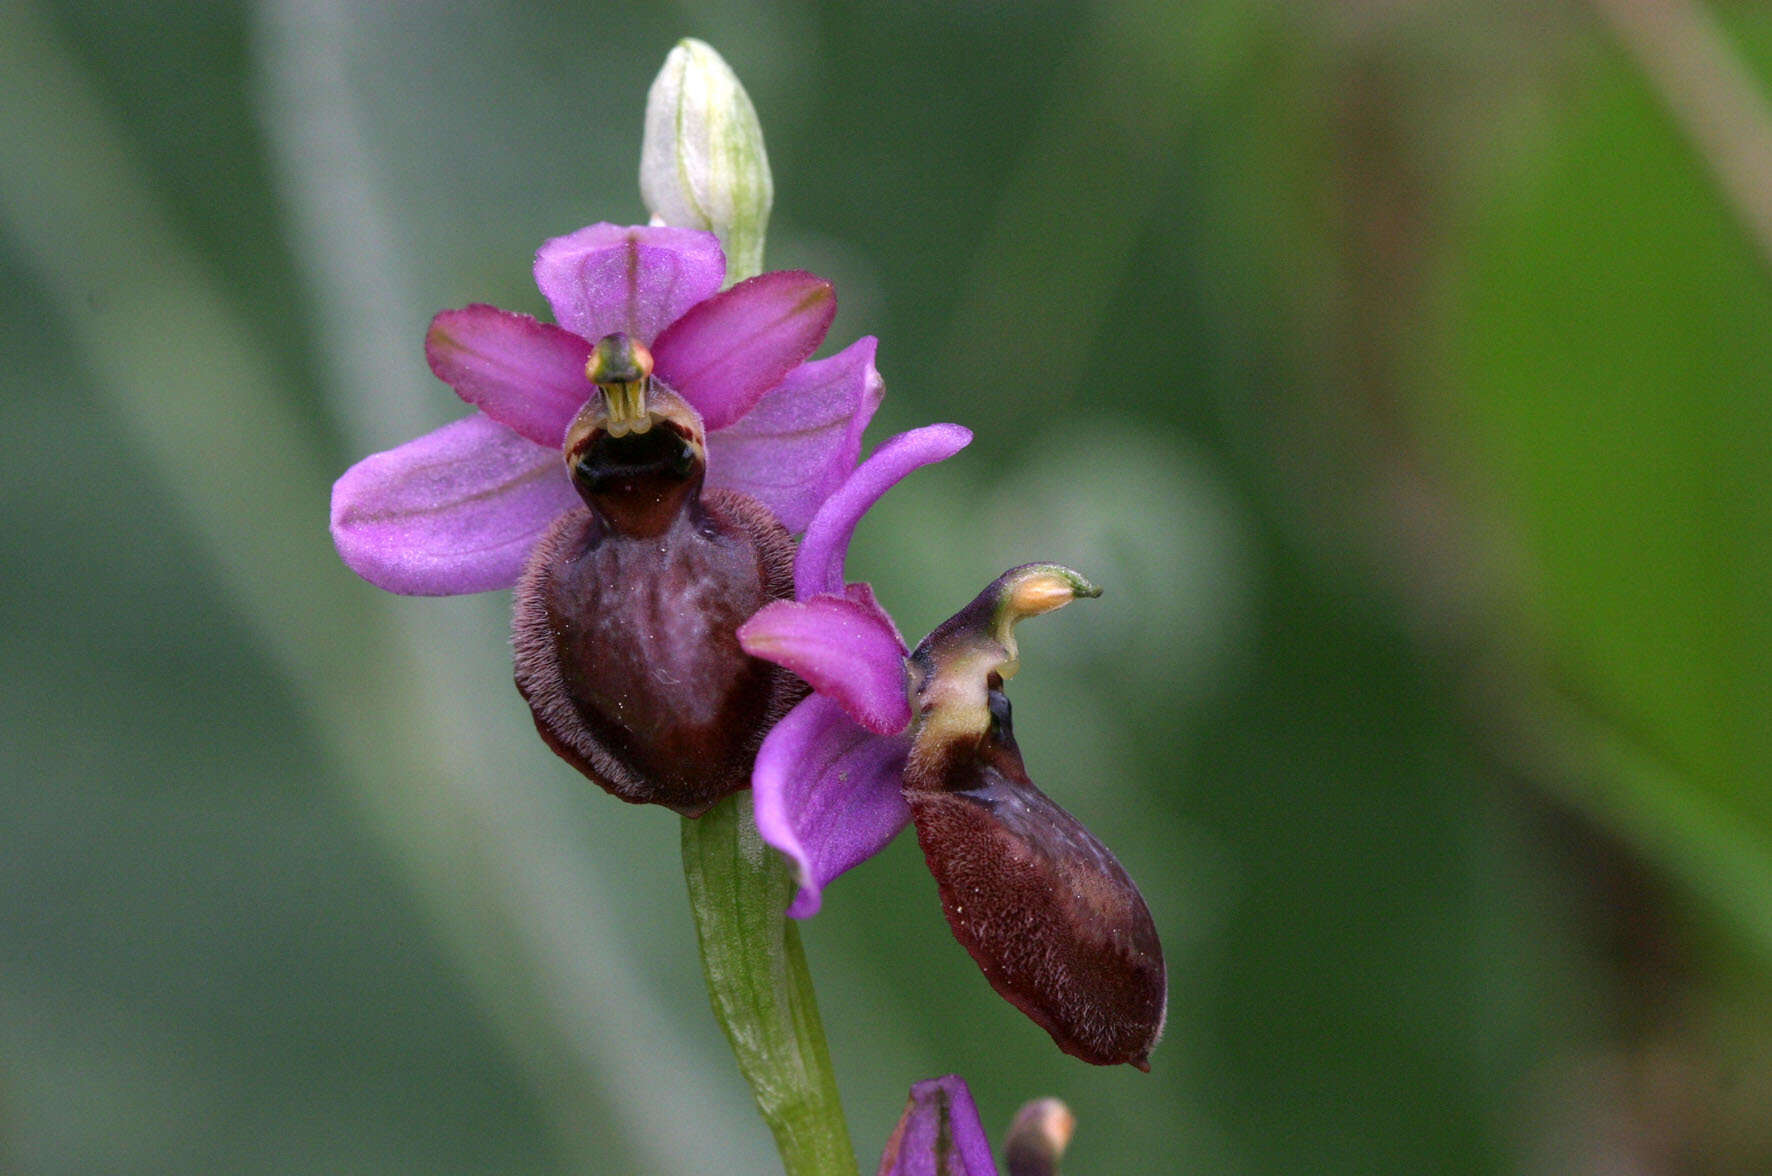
<point x="1399" y="368"/>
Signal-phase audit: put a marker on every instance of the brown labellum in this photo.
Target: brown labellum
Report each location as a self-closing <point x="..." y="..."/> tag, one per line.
<point x="625" y="619"/>
<point x="1047" y="912"/>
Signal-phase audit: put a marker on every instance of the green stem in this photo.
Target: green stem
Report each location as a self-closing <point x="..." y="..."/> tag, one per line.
<point x="760" y="988"/>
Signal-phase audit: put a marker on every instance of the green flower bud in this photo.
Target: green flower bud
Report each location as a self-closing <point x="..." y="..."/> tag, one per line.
<point x="702" y="163"/>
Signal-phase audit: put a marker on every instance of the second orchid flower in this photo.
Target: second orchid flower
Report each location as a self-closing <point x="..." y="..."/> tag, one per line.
<point x="892" y="736"/>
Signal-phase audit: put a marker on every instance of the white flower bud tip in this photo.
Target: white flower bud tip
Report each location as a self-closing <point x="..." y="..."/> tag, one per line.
<point x="702" y="163"/>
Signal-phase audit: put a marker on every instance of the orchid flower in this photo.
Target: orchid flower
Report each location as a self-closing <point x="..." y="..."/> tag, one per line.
<point x="891" y="736"/>
<point x="459" y="509"/>
<point x="638" y="468"/>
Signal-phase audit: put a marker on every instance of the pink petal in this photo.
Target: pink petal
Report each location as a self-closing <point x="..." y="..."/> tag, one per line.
<point x="636" y="279"/>
<point x="819" y="566"/>
<point x="454" y="511"/>
<point x="845" y="647"/>
<point x="524" y="374"/>
<point x="863" y="594"/>
<point x="802" y="439"/>
<point x="827" y="794"/>
<point x="725" y="353"/>
<point x="939" y="1134"/>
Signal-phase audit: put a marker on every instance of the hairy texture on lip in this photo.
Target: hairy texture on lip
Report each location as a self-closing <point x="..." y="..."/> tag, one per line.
<point x="1046" y="911"/>
<point x="625" y="649"/>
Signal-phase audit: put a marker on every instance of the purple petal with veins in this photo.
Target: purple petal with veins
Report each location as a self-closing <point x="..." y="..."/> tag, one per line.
<point x="827" y="794"/>
<point x="726" y="352"/>
<point x="803" y="437"/>
<point x="524" y="374"/>
<point x="456" y="510"/>
<point x="819" y="565"/>
<point x="636" y="279"/>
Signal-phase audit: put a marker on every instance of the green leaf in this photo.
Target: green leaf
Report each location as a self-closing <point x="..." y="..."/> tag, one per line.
<point x="1611" y="344"/>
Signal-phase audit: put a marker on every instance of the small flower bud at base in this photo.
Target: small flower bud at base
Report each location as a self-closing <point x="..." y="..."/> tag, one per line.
<point x="1038" y="1138"/>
